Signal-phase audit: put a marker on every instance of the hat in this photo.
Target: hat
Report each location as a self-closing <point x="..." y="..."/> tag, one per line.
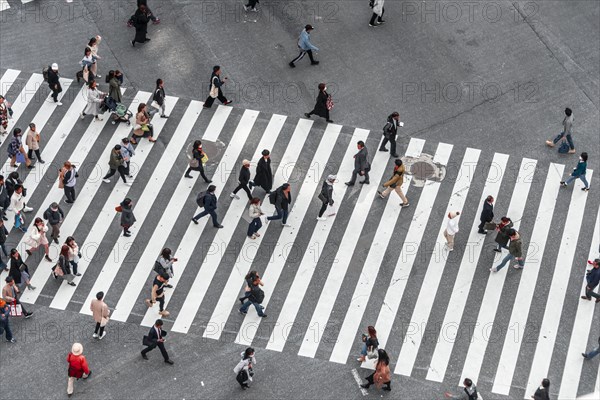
<point x="453" y="214"/>
<point x="55" y="66"/>
<point x="245" y="162"/>
<point x="54" y="206"/>
<point x="309" y="27"/>
<point x="331" y="178"/>
<point x="77" y="349"/>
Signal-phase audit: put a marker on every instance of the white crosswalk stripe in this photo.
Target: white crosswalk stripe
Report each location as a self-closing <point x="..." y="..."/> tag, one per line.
<point x="307" y="148"/>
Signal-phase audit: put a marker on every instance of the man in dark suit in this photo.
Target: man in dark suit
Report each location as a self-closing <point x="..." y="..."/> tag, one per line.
<point x="487" y="214"/>
<point x="156" y="338"/>
<point x="361" y="164"/>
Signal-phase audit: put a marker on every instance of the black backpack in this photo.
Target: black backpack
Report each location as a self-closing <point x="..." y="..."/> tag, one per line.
<point x="47" y="214"/>
<point x="45" y="73"/>
<point x="258" y="294"/>
<point x="200" y="199"/>
<point x="473" y="396"/>
<point x="159" y="269"/>
<point x="273" y="197"/>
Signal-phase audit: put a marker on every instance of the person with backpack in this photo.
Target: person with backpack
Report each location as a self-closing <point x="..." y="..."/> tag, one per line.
<point x="164" y="264"/>
<point x="323" y="104"/>
<point x="16" y="149"/>
<point x="567" y="131"/>
<point x="255" y="213"/>
<point x="255" y="297"/>
<point x="469" y="391"/>
<point x="243" y="180"/>
<point x="216" y="92"/>
<point x="579" y="172"/>
<point x="252" y="279"/>
<point x="305" y="46"/>
<point x="395" y="183"/>
<point x="158" y="294"/>
<point x="68" y="179"/>
<point x="264" y="175"/>
<point x="197" y="159"/>
<point x="208" y="201"/>
<point x="53" y="78"/>
<point x="382" y="375"/>
<point x="116" y="163"/>
<point x="149" y="13"/>
<point x="378" y="10"/>
<point x="326" y="196"/>
<point x="244" y="369"/>
<point x="158" y="99"/>
<point x="543" y="392"/>
<point x="390" y="131"/>
<point x="127" y="217"/>
<point x="370" y="344"/>
<point x="78" y="367"/>
<point x="281" y="199"/>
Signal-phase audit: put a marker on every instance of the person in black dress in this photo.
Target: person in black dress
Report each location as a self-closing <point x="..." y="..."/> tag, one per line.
<point x="321" y="106"/>
<point x="264" y="174"/>
<point x="140" y="21"/>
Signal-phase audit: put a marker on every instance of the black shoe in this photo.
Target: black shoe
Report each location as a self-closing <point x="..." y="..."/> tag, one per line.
<point x="127" y="234"/>
<point x="264" y="316"/>
<point x="228" y="102"/>
<point x="218" y="226"/>
<point x="146" y="40"/>
<point x="585" y="356"/>
<point x="133" y="44"/>
<point x="30" y="166"/>
<point x="47" y="258"/>
<point x="145" y="357"/>
<point x="196" y="222"/>
<point x="71" y="283"/>
<point x="314" y="63"/>
<point x="4" y="218"/>
<point x="42" y="161"/>
<point x="78" y="274"/>
<point x="32" y="158"/>
<point x="395" y="155"/>
<point x="28" y="315"/>
<point x="482" y="231"/>
<point x="383" y="149"/>
<point x="365" y="386"/>
<point x="208" y="181"/>
<point x="330" y="121"/>
<point x="349" y="183"/>
<point x="170" y="362"/>
<point x="241" y="300"/>
<point x="55" y="240"/>
<point x="189" y="176"/>
<point x="307" y="115"/>
<point x="28" y="252"/>
<point x="498" y="250"/>
<point x="387" y="388"/>
<point x="242" y="312"/>
<point x="291" y="64"/>
<point x="164" y="116"/>
<point x="69" y="201"/>
<point x="169" y="286"/>
<point x="364" y="182"/>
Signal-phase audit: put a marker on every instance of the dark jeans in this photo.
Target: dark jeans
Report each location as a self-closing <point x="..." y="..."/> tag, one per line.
<point x="377" y="17"/>
<point x="246" y="189"/>
<point x="55" y="92"/>
<point x="121" y="170"/>
<point x="74" y="267"/>
<point x="213" y="215"/>
<point x="6" y="326"/>
<point x="70" y="193"/>
<point x="323" y="208"/>
<point x="569" y="139"/>
<point x="2" y="263"/>
<point x="281" y="214"/>
<point x="248" y="303"/>
<point x="199" y="168"/>
<point x="302" y="54"/>
<point x="127" y="170"/>
<point x="392" y="142"/>
<point x="590" y="293"/>
<point x="355" y="174"/>
<point x="99" y="329"/>
<point x="55" y="231"/>
<point x="37" y="153"/>
<point x="209" y="100"/>
<point x="254" y="226"/>
<point x="371" y="381"/>
<point x="161" y="347"/>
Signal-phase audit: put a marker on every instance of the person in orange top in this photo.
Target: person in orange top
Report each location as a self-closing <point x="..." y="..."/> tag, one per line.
<point x="78" y="366"/>
<point x="382" y="375"/>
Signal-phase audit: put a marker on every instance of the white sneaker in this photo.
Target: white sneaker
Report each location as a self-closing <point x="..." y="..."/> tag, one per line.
<point x="58" y="103"/>
<point x="286" y="225"/>
<point x="99" y="119"/>
<point x="103" y="334"/>
<point x="106" y="180"/>
<point x="27" y="209"/>
<point x="81" y="115"/>
<point x="232" y="195"/>
<point x="95" y="336"/>
<point x="128" y="183"/>
<point x="321" y="219"/>
<point x="493" y="269"/>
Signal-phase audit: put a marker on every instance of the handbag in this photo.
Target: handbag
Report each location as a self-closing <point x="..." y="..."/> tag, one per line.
<point x="86" y="74"/>
<point x="61" y="176"/>
<point x="20" y="158"/>
<point x="194" y="163"/>
<point x="16" y="310"/>
<point x="58" y="271"/>
<point x="214" y="91"/>
<point x="329" y="103"/>
<point x="154" y="104"/>
<point x="373" y="354"/>
<point x="490" y="226"/>
<point x="146" y="341"/>
<point x="145" y="128"/>
<point x="204" y="158"/>
<point x="104" y="321"/>
<point x="119" y="209"/>
<point x="137" y="127"/>
<point x="562" y="149"/>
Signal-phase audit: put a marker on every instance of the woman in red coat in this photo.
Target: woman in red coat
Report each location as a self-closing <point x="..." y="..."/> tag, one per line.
<point x="78" y="366"/>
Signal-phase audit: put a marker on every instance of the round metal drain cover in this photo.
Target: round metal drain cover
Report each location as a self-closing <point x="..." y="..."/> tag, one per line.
<point x="214" y="150"/>
<point x="422" y="170"/>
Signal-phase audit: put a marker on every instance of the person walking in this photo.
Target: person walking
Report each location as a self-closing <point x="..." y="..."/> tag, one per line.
<point x="5" y="321"/>
<point x="74" y="254"/>
<point x="93" y="46"/>
<point x="32" y="140"/>
<point x="4" y="199"/>
<point x="68" y="179"/>
<point x="370" y="345"/>
<point x="216" y="83"/>
<point x="254" y="298"/>
<point x="251" y="6"/>
<point x="78" y="367"/>
<point x="515" y="250"/>
<point x="164" y="264"/>
<point x="543" y="392"/>
<point x="88" y="62"/>
<point x="94" y="102"/>
<point x="127" y="151"/>
<point x="381" y="376"/>
<point x="451" y="229"/>
<point x="142" y="128"/>
<point x="264" y="175"/>
<point x="11" y="293"/>
<point x="62" y="269"/>
<point x="326" y="196"/>
<point x="3" y="236"/>
<point x="17" y="203"/>
<point x="19" y="271"/>
<point x="593" y="279"/>
<point x="579" y="172"/>
<point x="390" y="131"/>
<point x="469" y="391"/>
<point x="54" y="83"/>
<point x="592" y="353"/>
<point x="378" y="10"/>
<point x="5" y="115"/>
<point x="115" y="81"/>
<point x="55" y="216"/>
<point x="127" y="217"/>
<point x="149" y="13"/>
<point x="158" y="294"/>
<point x="37" y="238"/>
<point x="305" y="46"/>
<point x="281" y="199"/>
<point x="502" y="237"/>
<point x="243" y="180"/>
<point x="140" y="21"/>
<point x="209" y="201"/>
<point x="158" y="99"/>
<point x="395" y="183"/>
<point x="487" y="214"/>
<point x="244" y="369"/>
<point x="16" y="149"/>
<point x="154" y="339"/>
<point x="197" y="160"/>
<point x="255" y="213"/>
<point x="252" y="278"/>
<point x="100" y="312"/>
<point x="324" y="102"/>
<point x="361" y="165"/>
<point x="116" y="163"/>
<point x="567" y="131"/>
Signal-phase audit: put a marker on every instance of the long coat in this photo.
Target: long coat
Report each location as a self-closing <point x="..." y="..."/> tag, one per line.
<point x="264" y="175"/>
<point x="141" y="26"/>
<point x="15" y="269"/>
<point x="99" y="310"/>
<point x="127" y="217"/>
<point x="487" y="214"/>
<point x="502" y="237"/>
<point x="94" y="101"/>
<point x="321" y="105"/>
<point x="115" y="89"/>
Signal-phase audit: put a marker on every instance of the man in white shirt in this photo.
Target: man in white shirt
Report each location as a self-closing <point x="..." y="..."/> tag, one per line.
<point x="451" y="229"/>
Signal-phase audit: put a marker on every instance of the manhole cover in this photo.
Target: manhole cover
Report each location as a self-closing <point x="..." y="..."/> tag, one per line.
<point x="213" y="150"/>
<point x="423" y="169"/>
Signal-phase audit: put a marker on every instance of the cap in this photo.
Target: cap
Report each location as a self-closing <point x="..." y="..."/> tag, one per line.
<point x="331" y="178"/>
<point x="55" y="66"/>
<point x="308" y="27"/>
<point x="77" y="349"/>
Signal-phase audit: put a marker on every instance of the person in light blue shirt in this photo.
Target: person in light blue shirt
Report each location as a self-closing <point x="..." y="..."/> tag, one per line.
<point x="305" y="47"/>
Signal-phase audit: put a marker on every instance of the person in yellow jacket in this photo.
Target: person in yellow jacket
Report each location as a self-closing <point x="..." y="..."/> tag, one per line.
<point x="397" y="179"/>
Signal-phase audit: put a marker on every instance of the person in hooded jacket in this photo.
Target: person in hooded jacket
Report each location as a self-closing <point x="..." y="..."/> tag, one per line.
<point x="592" y="278"/>
<point x="390" y="131"/>
<point x="515" y="250"/>
<point x="127" y="217"/>
<point x="382" y="375"/>
<point x="543" y="392"/>
<point x="469" y="391"/>
<point x="451" y="229"/>
<point x="579" y="172"/>
<point x="140" y="21"/>
<point x="4" y="199"/>
<point x="244" y="369"/>
<point x="78" y="367"/>
<point x="321" y="108"/>
<point x="326" y="196"/>
<point x="283" y="199"/>
<point x="54" y="83"/>
<point x="116" y="163"/>
<point x="397" y="180"/>
<point x="502" y="237"/>
<point x="264" y="175"/>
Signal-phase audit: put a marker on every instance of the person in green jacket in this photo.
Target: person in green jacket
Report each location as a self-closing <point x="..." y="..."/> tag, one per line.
<point x="116" y="163"/>
<point x="579" y="172"/>
<point x="515" y="250"/>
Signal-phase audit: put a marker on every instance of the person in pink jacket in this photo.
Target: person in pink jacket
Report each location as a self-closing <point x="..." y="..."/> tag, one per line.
<point x="100" y="312"/>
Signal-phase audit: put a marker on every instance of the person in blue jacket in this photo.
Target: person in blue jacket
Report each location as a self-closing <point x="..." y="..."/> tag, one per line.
<point x="593" y="279"/>
<point x="579" y="172"/>
<point x="305" y="47"/>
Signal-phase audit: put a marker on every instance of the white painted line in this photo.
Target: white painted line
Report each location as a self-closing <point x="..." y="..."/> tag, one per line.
<point x="560" y="279"/>
<point x="462" y="285"/>
<point x="185" y="252"/>
<point x="84" y="199"/>
<point x="4" y="5"/>
<point x="338" y="270"/>
<point x="217" y="122"/>
<point x="162" y="230"/>
<point x="10" y="75"/>
<point x="533" y="263"/>
<point x="20" y="103"/>
<point x="287" y="236"/>
<point x="107" y="214"/>
<point x="493" y="290"/>
<point x="358" y="380"/>
<point x="581" y="329"/>
<point x="211" y="261"/>
<point x="437" y="263"/>
<point x="346" y="339"/>
<point x="291" y="306"/>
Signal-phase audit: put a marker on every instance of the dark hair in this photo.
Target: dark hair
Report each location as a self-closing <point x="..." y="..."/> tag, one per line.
<point x="505" y="219"/>
<point x="111" y="74"/>
<point x="86" y="50"/>
<point x="285" y="186"/>
<point x="489" y="198"/>
<point x="197" y="143"/>
<point x="398" y="162"/>
<point x="166" y="253"/>
<point x="16" y="131"/>
<point x="395" y="114"/>
<point x="69" y="239"/>
<point x="91" y="83"/>
<point x="127" y="201"/>
<point x="1" y="177"/>
<point x="309" y="27"/>
<point x="467" y="382"/>
<point x="158" y="82"/>
<point x="251" y="275"/>
<point x="211" y="188"/>
<point x="37" y="220"/>
<point x="265" y="152"/>
<point x="248" y="353"/>
<point x="141" y="107"/>
<point x="64" y="251"/>
<point x="568" y="111"/>
<point x="31" y="125"/>
<point x="117" y="147"/>
<point x="13" y="252"/>
<point x="511" y="232"/>
<point x="9" y="279"/>
<point x="255" y="200"/>
<point x="546" y="383"/>
<point x="361" y="143"/>
<point x="383" y="357"/>
<point x="92" y="41"/>
<point x="372" y="331"/>
<point x="216" y="68"/>
<point x="164" y="275"/>
<point x="159" y="321"/>
<point x="584" y="156"/>
<point x="125" y="140"/>
<point x="99" y="295"/>
<point x="322" y="86"/>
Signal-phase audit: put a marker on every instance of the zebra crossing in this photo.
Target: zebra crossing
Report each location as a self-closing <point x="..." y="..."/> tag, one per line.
<point x="323" y="284"/>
